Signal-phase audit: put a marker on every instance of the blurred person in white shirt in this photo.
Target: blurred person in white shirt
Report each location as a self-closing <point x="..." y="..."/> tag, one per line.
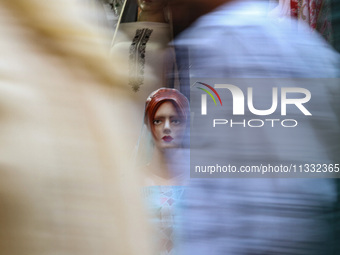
<point x="236" y="41"/>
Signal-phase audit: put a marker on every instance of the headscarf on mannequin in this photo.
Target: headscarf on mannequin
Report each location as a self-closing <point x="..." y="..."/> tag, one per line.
<point x="145" y="146"/>
<point x="160" y="96"/>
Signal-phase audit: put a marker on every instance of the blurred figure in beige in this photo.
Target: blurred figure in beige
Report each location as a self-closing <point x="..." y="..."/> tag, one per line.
<point x="65" y="185"/>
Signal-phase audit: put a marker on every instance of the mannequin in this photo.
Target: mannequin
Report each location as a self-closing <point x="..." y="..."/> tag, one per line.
<point x="166" y="117"/>
<point x="144" y="45"/>
<point x="153" y="11"/>
<point x="144" y="55"/>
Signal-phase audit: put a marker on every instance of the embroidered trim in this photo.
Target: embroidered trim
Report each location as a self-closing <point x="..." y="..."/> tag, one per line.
<point x="137" y="58"/>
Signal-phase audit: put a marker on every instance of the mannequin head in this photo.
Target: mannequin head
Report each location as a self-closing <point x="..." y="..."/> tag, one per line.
<point x="166" y="115"/>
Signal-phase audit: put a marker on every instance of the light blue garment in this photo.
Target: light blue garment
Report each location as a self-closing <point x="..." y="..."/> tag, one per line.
<point x="162" y="203"/>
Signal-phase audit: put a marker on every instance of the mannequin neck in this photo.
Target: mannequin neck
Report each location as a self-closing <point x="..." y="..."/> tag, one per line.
<point x="151" y="16"/>
<point x="161" y="166"/>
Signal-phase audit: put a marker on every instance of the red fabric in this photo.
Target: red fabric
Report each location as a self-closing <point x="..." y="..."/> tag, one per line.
<point x="307" y="10"/>
<point x="316" y="13"/>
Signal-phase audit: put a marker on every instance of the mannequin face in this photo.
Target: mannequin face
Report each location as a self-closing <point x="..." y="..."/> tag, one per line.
<point x="168" y="127"/>
<point x="151" y="5"/>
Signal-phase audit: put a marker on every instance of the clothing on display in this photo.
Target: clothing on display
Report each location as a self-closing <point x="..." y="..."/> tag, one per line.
<point x="314" y="13"/>
<point x="163" y="203"/>
<point x="146" y="60"/>
<point x="143" y="46"/>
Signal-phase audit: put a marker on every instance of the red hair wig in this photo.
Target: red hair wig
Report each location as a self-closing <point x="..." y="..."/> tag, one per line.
<point x="160" y="96"/>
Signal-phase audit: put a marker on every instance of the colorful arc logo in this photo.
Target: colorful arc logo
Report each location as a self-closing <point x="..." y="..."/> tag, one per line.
<point x="209" y="93"/>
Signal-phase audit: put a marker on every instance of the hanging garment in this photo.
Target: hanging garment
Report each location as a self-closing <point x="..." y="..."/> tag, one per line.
<point x="316" y="13"/>
<point x="145" y="60"/>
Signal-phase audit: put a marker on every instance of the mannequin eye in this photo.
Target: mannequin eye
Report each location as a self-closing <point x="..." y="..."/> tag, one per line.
<point x="157" y="122"/>
<point x="176" y="121"/>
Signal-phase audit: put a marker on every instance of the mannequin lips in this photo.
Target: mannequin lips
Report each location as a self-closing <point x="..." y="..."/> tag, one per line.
<point x="167" y="138"/>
